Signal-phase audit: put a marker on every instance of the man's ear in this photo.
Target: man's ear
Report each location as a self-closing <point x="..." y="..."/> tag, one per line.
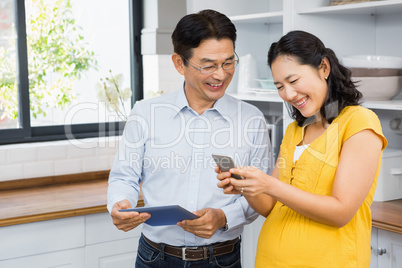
<point x="178" y="63"/>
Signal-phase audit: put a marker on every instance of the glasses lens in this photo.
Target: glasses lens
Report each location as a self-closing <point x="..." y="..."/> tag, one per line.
<point x="208" y="69"/>
<point x="229" y="65"/>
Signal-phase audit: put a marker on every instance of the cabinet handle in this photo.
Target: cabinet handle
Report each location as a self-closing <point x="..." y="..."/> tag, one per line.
<point x="381" y="251"/>
<point x="396" y="171"/>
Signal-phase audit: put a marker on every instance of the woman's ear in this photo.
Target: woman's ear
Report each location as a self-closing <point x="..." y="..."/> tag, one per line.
<point x="178" y="63"/>
<point x="325" y="68"/>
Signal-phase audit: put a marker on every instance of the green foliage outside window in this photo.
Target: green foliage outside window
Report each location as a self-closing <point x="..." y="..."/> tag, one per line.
<point x="57" y="56"/>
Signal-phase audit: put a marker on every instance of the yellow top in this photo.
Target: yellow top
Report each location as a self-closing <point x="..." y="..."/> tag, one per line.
<point x="288" y="239"/>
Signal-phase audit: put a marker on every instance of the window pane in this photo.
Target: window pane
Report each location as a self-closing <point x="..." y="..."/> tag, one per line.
<point x="72" y="45"/>
<point x="8" y="66"/>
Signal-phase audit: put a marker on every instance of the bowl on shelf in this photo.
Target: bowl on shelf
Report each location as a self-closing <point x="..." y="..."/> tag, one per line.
<point x="375" y="72"/>
<point x="266" y="83"/>
<point x="372" y="61"/>
<point x="345" y="2"/>
<point x="379" y="88"/>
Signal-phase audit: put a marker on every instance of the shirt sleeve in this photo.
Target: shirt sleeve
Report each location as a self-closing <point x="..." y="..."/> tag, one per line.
<point x="361" y="119"/>
<point x="126" y="173"/>
<point x="240" y="212"/>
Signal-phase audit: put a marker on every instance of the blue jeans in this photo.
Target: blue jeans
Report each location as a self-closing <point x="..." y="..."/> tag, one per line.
<point x="147" y="256"/>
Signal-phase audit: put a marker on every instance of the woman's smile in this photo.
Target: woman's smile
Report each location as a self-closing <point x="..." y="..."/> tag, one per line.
<point x="301" y="102"/>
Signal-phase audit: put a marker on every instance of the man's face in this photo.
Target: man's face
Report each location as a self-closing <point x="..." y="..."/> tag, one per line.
<point x="204" y="89"/>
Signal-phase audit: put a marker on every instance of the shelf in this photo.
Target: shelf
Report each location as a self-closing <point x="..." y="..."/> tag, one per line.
<point x="376" y="7"/>
<point x="384" y="105"/>
<point x="260" y="96"/>
<point x="273" y="97"/>
<point x="267" y="18"/>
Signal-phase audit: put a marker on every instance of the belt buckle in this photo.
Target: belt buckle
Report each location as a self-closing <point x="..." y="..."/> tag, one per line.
<point x="183" y="252"/>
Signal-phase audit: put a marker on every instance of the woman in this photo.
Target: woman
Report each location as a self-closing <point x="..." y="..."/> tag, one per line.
<point x="317" y="200"/>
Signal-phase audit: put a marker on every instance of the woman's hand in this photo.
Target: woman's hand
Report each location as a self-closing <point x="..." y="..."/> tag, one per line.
<point x="255" y="181"/>
<point x="224" y="182"/>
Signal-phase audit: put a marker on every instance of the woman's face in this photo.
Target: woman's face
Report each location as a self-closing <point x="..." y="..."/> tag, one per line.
<point x="303" y="86"/>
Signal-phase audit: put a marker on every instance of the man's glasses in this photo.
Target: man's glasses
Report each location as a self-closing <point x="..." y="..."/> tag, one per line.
<point x="209" y="69"/>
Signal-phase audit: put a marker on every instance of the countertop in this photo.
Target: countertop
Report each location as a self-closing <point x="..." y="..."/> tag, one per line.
<point x="31" y="200"/>
<point x="47" y="198"/>
<point x="387" y="215"/>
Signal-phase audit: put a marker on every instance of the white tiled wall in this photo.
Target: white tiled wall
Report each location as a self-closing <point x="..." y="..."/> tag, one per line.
<point x="30" y="160"/>
<point x="160" y="75"/>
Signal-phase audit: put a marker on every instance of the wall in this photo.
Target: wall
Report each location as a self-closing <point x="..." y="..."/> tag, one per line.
<point x="160" y="75"/>
<point x="29" y="160"/>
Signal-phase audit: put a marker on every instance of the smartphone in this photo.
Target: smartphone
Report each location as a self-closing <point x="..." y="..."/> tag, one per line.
<point x="225" y="163"/>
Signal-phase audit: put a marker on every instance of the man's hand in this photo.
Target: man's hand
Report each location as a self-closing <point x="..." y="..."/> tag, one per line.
<point x="127" y="221"/>
<point x="209" y="222"/>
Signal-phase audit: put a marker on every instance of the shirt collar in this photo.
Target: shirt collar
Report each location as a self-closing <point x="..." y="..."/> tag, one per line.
<point x="221" y="105"/>
<point x="181" y="101"/>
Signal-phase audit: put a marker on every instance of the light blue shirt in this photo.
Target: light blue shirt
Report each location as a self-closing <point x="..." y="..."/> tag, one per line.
<point x="167" y="146"/>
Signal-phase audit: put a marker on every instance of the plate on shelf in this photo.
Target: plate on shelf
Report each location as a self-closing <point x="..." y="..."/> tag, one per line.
<point x="262" y="90"/>
<point x="266" y="83"/>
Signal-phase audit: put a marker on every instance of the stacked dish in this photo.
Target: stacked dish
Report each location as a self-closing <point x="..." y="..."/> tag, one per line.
<point x="377" y="77"/>
<point x="267" y="86"/>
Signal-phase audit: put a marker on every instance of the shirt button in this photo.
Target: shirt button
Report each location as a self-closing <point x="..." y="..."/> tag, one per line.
<point x="192" y="202"/>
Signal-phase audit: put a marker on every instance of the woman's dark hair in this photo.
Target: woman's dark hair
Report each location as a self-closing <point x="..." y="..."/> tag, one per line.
<point x="307" y="49"/>
<point x="192" y="29"/>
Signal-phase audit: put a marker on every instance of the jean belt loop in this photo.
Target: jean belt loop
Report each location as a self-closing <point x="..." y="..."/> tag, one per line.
<point x="211" y="254"/>
<point x="162" y="251"/>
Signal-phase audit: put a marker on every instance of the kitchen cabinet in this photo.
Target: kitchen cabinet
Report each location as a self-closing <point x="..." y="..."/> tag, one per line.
<point x="51" y="243"/>
<point x="386" y="249"/>
<point x="62" y="259"/>
<point x="361" y="28"/>
<point x="106" y="246"/>
<point x="82" y="241"/>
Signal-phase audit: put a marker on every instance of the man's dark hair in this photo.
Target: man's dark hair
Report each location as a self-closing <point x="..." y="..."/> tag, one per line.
<point x="192" y="29"/>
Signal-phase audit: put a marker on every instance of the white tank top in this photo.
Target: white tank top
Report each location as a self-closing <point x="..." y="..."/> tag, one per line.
<point x="298" y="151"/>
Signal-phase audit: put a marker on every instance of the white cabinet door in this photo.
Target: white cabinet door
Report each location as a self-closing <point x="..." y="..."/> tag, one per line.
<point x="374" y="246"/>
<point x="389" y="249"/>
<point x="41" y="237"/>
<point x="121" y="253"/>
<point x="73" y="258"/>
<point x="249" y="241"/>
<point x="106" y="246"/>
<point x="99" y="228"/>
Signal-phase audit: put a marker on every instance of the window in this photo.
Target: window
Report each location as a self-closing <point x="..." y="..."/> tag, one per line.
<point x="68" y="68"/>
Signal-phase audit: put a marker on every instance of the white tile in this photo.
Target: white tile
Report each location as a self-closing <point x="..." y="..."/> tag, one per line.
<point x="170" y="75"/>
<point x="38" y="169"/>
<point x="3" y="156"/>
<point x="107" y="146"/>
<point x="52" y="152"/>
<point x="106" y="151"/>
<point x="165" y="61"/>
<point x="95" y="163"/>
<point x="22" y="155"/>
<point x="76" y="151"/>
<point x="111" y="161"/>
<point x="11" y="172"/>
<point x="68" y="166"/>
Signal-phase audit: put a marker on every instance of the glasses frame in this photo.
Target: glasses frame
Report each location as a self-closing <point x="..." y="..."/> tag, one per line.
<point x="201" y="68"/>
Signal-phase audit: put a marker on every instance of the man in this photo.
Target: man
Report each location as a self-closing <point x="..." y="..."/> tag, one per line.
<point x="167" y="146"/>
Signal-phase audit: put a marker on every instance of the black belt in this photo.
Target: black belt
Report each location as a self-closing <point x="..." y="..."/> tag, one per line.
<point x="195" y="253"/>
